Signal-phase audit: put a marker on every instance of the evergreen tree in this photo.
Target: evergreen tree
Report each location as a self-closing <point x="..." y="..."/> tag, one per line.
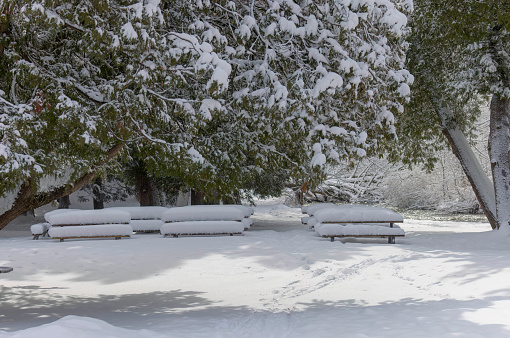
<point x="210" y="92"/>
<point x="459" y="53"/>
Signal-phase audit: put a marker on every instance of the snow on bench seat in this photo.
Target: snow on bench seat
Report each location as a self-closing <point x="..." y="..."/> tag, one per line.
<point x="247" y="223"/>
<point x="57" y="211"/>
<point x="91" y="231"/>
<point x="187" y="228"/>
<point x="333" y="230"/>
<point x="310" y="221"/>
<point x="203" y="213"/>
<point x="40" y="229"/>
<point x="311" y="209"/>
<point x="142" y="213"/>
<point x="88" y="217"/>
<point x="146" y="225"/>
<point x="357" y="214"/>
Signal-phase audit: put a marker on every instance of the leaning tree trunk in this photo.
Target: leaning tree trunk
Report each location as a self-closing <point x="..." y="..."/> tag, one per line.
<point x="28" y="198"/>
<point x="499" y="144"/>
<point x="480" y="182"/>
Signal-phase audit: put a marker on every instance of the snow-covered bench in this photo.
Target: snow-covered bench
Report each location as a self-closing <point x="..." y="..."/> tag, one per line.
<point x="311" y="209"/>
<point x="104" y="223"/>
<point x="205" y="220"/>
<point x="144" y="219"/>
<point x="40" y="229"/>
<point x="358" y="221"/>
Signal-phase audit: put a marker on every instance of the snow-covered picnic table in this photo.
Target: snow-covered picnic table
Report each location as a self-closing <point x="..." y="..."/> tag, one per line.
<point x="332" y="221"/>
<point x="144" y="219"/>
<point x="206" y="220"/>
<point x="103" y="223"/>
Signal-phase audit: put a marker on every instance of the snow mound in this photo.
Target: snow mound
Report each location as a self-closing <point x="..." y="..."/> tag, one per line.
<point x="146" y="224"/>
<point x="149" y="212"/>
<point x="203" y="213"/>
<point x="356" y="213"/>
<point x="349" y="229"/>
<point x="102" y="216"/>
<point x="80" y="327"/>
<point x="312" y="209"/>
<point x="57" y="211"/>
<point x="39" y="228"/>
<point x="96" y="230"/>
<point x="202" y="227"/>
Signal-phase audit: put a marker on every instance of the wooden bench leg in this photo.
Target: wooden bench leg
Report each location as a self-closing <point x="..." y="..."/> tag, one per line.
<point x="35" y="237"/>
<point x="391" y="239"/>
<point x="175" y="236"/>
<point x="332" y="239"/>
<point x="61" y="239"/>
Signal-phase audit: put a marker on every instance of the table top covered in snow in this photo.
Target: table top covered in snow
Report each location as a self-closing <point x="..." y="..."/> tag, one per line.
<point x="357" y="214"/>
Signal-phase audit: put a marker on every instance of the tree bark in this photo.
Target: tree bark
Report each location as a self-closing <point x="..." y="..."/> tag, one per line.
<point x="97" y="194"/>
<point x="499" y="144"/>
<point x="145" y="192"/>
<point x="480" y="182"/>
<point x="28" y="198"/>
<point x="64" y="202"/>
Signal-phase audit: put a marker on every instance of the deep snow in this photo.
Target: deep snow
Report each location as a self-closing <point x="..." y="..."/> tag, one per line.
<point x="444" y="279"/>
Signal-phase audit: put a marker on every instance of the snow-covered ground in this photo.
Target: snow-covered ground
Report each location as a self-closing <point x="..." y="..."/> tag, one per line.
<point x="444" y="279"/>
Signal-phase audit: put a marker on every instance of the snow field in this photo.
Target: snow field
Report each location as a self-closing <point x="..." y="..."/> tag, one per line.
<point x="444" y="279"/>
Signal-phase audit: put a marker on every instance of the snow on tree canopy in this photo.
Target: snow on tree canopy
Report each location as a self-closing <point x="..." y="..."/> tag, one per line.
<point x="276" y="71"/>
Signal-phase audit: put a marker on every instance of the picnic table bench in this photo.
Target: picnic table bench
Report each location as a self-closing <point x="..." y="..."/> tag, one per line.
<point x="205" y="220"/>
<point x="357" y="221"/>
<point x="101" y="223"/>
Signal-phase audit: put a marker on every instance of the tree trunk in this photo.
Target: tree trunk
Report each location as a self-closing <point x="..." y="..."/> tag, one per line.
<point x="145" y="192"/>
<point x="64" y="202"/>
<point x="499" y="144"/>
<point x="97" y="194"/>
<point x="480" y="182"/>
<point x="28" y="198"/>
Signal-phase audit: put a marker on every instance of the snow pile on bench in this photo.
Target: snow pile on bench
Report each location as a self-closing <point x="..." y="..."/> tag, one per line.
<point x="40" y="229"/>
<point x="89" y="224"/>
<point x="202" y="228"/>
<point x="351" y="221"/>
<point x="311" y="209"/>
<point x="357" y="214"/>
<point x="91" y="231"/>
<point x="142" y="213"/>
<point x="48" y="215"/>
<point x="86" y="217"/>
<point x="247" y="223"/>
<point x="144" y="219"/>
<point x="358" y="230"/>
<point x="206" y="220"/>
<point x="203" y="213"/>
<point x="146" y="225"/>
